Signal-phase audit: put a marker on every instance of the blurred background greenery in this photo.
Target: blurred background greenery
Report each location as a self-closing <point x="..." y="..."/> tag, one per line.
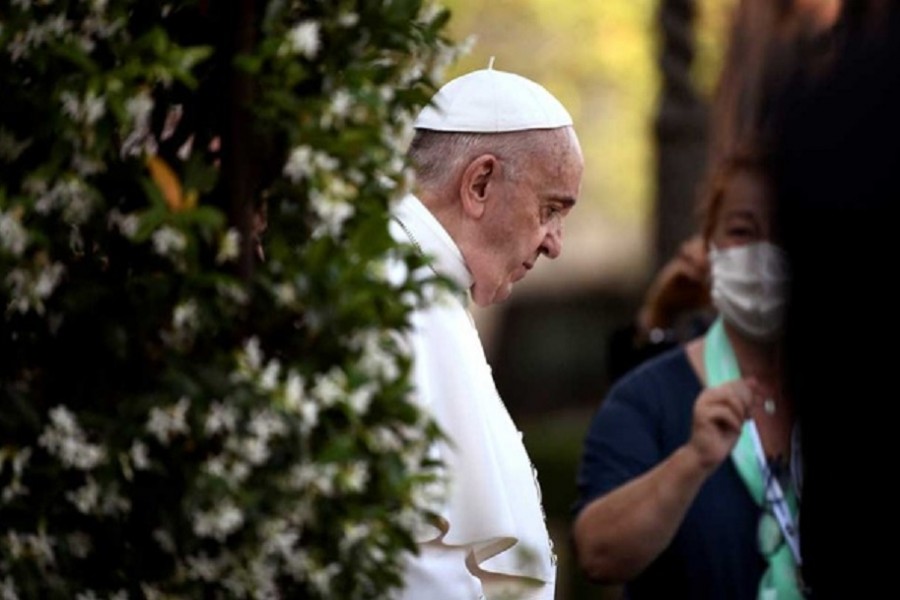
<point x="548" y="344"/>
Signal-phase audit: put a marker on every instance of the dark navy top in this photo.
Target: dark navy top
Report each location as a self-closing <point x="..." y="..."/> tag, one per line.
<point x="645" y="417"/>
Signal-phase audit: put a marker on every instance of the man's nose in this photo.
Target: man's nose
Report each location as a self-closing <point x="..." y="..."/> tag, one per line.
<point x="552" y="245"/>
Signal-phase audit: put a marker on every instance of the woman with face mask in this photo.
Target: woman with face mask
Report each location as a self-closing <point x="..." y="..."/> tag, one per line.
<point x="689" y="481"/>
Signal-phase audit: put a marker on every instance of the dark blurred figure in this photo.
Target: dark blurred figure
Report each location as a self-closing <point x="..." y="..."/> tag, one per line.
<point x="768" y="42"/>
<point x="838" y="186"/>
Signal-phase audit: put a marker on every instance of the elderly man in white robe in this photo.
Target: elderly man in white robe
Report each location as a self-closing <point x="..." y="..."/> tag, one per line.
<point x="498" y="167"/>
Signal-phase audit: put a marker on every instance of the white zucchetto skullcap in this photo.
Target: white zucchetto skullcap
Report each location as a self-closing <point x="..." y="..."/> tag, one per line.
<point x="490" y="101"/>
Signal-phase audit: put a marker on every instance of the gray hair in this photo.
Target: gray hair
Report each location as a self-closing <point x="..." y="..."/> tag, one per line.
<point x="439" y="156"/>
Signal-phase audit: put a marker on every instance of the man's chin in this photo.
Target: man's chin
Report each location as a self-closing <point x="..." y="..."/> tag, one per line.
<point x="499" y="294"/>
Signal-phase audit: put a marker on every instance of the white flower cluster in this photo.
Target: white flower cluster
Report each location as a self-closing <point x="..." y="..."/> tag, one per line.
<point x="303" y="161"/>
<point x="37" y="34"/>
<point x="229" y="246"/>
<point x="332" y="206"/>
<point x="64" y="439"/>
<point x="139" y="139"/>
<point x="38" y="546"/>
<point x="377" y="350"/>
<point x="30" y="289"/>
<point x="13" y="237"/>
<point x="127" y="225"/>
<point x="219" y="522"/>
<point x="167" y="423"/>
<point x="58" y="27"/>
<point x="90" y="499"/>
<point x="84" y="110"/>
<point x="169" y="242"/>
<point x="303" y="39"/>
<point x="185" y="324"/>
<point x="71" y="195"/>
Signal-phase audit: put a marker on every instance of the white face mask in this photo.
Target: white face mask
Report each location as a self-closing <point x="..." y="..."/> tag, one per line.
<point x="749" y="287"/>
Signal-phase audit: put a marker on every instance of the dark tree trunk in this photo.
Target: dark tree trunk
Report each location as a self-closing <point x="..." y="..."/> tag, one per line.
<point x="681" y="132"/>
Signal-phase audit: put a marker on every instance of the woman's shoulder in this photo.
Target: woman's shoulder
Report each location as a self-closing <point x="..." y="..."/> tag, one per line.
<point x="664" y="376"/>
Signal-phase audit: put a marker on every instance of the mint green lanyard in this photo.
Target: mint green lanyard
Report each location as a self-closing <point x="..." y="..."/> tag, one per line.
<point x="779" y="582"/>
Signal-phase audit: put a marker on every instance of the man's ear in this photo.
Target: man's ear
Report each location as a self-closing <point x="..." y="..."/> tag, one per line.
<point x="476" y="183"/>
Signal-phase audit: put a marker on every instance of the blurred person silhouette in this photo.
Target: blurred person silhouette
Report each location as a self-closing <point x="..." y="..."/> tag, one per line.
<point x="838" y="184"/>
<point x="689" y="479"/>
<point x="498" y="167"/>
<point x="768" y="40"/>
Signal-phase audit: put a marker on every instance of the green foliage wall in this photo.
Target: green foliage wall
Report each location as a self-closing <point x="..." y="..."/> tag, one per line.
<point x="178" y="417"/>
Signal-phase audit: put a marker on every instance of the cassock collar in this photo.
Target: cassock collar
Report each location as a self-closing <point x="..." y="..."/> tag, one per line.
<point x="428" y="233"/>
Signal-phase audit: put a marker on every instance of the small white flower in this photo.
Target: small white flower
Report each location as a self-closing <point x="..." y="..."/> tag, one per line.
<point x="139" y="454"/>
<point x="87" y="110"/>
<point x="86" y="497"/>
<point x="303" y="39"/>
<point x="255" y="450"/>
<point x="203" y="568"/>
<point x="13" y="237"/>
<point x="266" y="424"/>
<point x="299" y="164"/>
<point x="233" y="292"/>
<point x="139" y="139"/>
<point x="167" y="241"/>
<point x="293" y="391"/>
<point x="285" y="294"/>
<point x="164" y="539"/>
<point x="384" y="440"/>
<point x="355" y="533"/>
<point x="348" y="19"/>
<point x="220" y="522"/>
<point x="139" y="108"/>
<point x="185" y="316"/>
<point x="229" y="246"/>
<point x="330" y="387"/>
<point x="113" y="503"/>
<point x="321" y="578"/>
<point x="341" y="103"/>
<point x="325" y="162"/>
<point x="8" y="589"/>
<point x="268" y="380"/>
<point x="126" y="224"/>
<point x="222" y="418"/>
<point x="356" y="476"/>
<point x="360" y="399"/>
<point x="253" y="354"/>
<point x="64" y="439"/>
<point x="309" y="416"/>
<point x="165" y="423"/>
<point x="331" y="213"/>
<point x="79" y="544"/>
<point x="47" y="280"/>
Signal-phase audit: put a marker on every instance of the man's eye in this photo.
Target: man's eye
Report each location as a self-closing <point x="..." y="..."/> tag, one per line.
<point x="549" y="213"/>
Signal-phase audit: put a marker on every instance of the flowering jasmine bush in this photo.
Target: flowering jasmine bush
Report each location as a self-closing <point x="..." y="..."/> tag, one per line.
<point x="178" y="417"/>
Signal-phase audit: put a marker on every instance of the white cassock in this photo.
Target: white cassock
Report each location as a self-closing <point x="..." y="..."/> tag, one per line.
<point x="493" y="540"/>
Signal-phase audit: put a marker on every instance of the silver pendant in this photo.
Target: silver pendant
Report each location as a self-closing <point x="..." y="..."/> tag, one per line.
<point x="769" y="406"/>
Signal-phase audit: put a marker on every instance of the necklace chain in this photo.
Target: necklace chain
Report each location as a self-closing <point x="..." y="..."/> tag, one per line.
<point x="415" y="243"/>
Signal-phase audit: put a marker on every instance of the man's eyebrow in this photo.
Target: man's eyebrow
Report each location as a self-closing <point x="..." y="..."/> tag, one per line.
<point x="564" y="199"/>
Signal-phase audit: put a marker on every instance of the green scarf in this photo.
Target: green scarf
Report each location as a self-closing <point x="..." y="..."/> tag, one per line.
<point x="779" y="582"/>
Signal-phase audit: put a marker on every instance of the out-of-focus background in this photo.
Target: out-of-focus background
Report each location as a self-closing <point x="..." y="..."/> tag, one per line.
<point x="637" y="77"/>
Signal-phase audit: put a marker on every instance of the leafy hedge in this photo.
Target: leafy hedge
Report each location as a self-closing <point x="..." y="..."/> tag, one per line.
<point x="178" y="417"/>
